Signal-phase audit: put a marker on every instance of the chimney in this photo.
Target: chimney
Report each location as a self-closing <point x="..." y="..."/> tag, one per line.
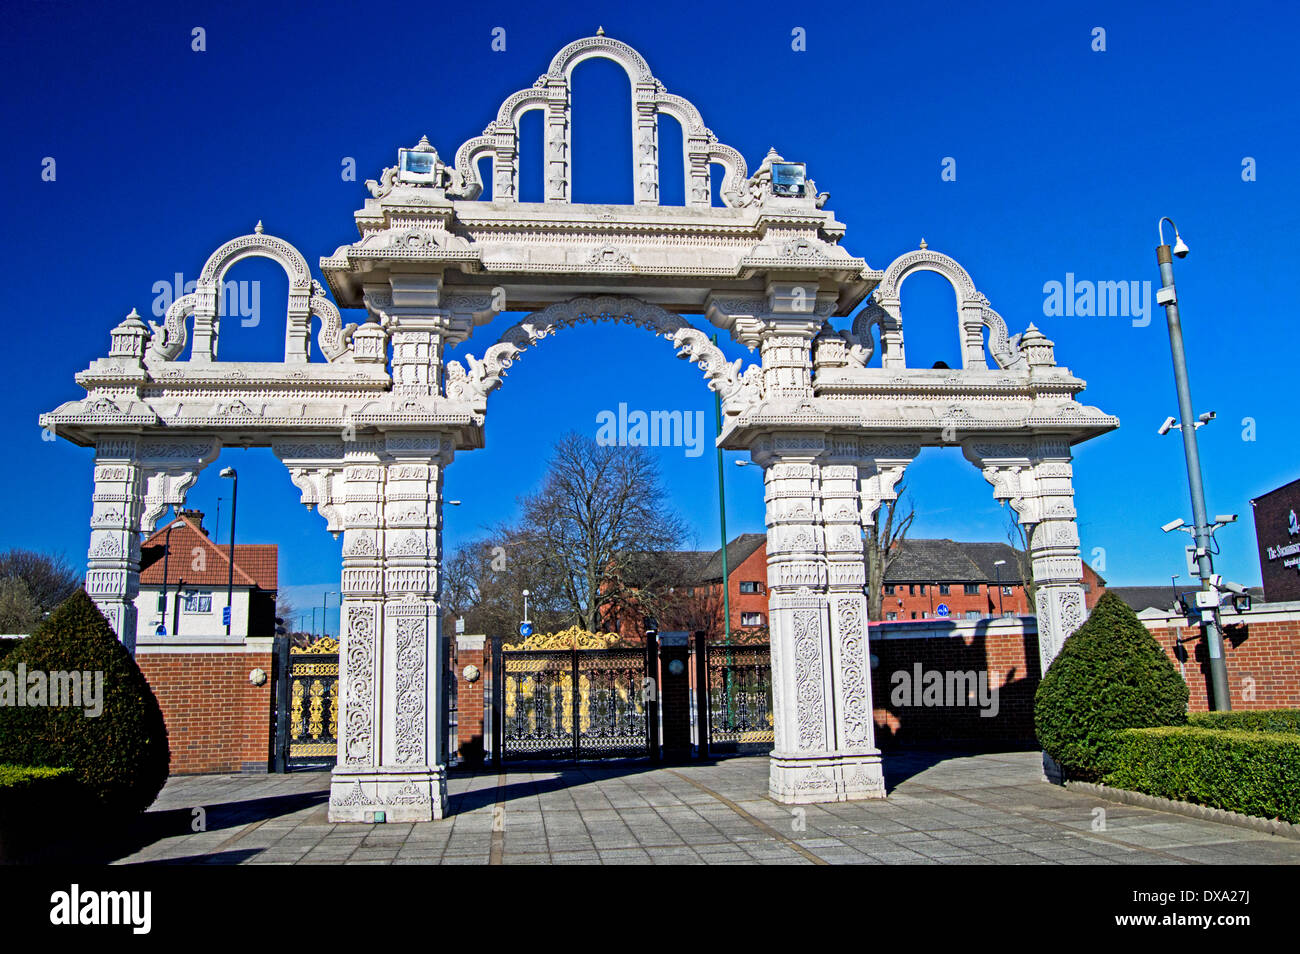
<point x="195" y="517"/>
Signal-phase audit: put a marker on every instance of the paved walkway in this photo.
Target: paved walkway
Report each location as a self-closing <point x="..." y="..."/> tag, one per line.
<point x="958" y="809"/>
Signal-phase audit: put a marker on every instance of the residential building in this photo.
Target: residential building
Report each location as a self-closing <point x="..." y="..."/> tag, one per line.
<point x="935" y="579"/>
<point x="191" y="600"/>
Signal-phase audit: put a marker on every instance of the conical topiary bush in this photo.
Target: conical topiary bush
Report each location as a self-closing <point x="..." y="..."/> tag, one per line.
<point x="120" y="756"/>
<point x="1111" y="674"/>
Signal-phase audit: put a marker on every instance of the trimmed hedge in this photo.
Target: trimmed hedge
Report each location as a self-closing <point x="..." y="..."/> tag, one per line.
<point x="120" y="756"/>
<point x="1249" y="720"/>
<point x="1110" y="675"/>
<point x="35" y="805"/>
<point x="1252" y="772"/>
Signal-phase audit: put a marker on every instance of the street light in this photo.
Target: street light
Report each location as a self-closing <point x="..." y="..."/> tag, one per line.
<point x="526" y="595"/>
<point x="229" y="472"/>
<point x="1168" y="297"/>
<point x="324" y="629"/>
<point x="1000" y="564"/>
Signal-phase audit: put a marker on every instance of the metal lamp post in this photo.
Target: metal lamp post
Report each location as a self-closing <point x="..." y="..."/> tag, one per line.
<point x="1168" y="297"/>
<point x="229" y="472"/>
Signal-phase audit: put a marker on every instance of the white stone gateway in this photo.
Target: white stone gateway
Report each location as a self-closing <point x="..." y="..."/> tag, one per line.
<point x="368" y="448"/>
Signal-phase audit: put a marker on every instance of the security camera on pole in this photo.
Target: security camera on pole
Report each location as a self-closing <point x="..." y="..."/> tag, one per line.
<point x="1209" y="598"/>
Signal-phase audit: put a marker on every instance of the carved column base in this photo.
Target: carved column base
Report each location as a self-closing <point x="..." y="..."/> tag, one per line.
<point x="405" y="793"/>
<point x="826" y="777"/>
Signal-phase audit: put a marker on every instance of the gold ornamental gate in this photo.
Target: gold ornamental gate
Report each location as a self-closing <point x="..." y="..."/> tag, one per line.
<point x="308" y="704"/>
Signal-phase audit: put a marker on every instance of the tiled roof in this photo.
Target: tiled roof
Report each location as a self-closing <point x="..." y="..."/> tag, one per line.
<point x="1139" y="598"/>
<point x="256" y="564"/>
<point x="738" y="551"/>
<point x="948" y="561"/>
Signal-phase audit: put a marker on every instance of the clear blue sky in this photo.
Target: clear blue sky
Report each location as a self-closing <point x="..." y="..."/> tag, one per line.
<point x="1065" y="159"/>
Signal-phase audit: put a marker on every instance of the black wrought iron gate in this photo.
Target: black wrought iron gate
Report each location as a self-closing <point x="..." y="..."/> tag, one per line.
<point x="573" y="704"/>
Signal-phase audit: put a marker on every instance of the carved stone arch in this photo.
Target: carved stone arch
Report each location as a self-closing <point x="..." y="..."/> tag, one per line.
<point x="473" y="381"/>
<point x="563" y="63"/>
<point x="973" y="311"/>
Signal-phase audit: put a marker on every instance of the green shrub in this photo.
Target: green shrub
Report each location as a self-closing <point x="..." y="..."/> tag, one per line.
<point x="1249" y="720"/>
<point x="8" y="645"/>
<point x="1109" y="675"/>
<point x="1255" y="773"/>
<point x="120" y="757"/>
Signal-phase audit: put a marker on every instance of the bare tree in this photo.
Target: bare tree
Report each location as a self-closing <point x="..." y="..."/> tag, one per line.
<point x="19" y="613"/>
<point x="883" y="540"/>
<point x="48" y="577"/>
<point x="1020" y="538"/>
<point x="600" y="520"/>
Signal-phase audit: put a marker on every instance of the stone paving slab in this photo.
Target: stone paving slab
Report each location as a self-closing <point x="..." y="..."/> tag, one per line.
<point x="942" y="808"/>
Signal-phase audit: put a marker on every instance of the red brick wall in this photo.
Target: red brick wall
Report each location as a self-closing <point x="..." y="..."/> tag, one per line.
<point x="469" y="743"/>
<point x="217" y="721"/>
<point x="1262" y="657"/>
<point x="1008" y="657"/>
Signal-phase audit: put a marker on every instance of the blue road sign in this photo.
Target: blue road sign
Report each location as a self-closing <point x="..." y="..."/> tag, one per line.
<point x="225" y="616"/>
<point x="941" y="610"/>
<point x="160" y="631"/>
<point x="525" y="629"/>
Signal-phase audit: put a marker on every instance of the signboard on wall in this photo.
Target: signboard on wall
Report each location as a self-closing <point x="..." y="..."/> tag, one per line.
<point x="1277" y="530"/>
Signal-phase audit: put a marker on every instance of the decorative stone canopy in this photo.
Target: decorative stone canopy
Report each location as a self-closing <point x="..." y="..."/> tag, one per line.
<point x="368" y="429"/>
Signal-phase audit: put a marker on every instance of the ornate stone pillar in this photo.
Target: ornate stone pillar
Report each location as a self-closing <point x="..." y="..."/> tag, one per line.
<point x="825" y="740"/>
<point x="392" y="747"/>
<point x="645" y="144"/>
<point x="556" y="188"/>
<point x="113" y="560"/>
<point x="1036" y="478"/>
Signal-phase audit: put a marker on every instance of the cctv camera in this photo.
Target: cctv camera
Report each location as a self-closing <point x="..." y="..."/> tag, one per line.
<point x="1207" y="417"/>
<point x="1165" y="427"/>
<point x="1173" y="525"/>
<point x="1226" y="518"/>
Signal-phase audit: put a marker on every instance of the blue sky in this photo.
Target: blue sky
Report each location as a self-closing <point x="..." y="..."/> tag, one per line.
<point x="1065" y="158"/>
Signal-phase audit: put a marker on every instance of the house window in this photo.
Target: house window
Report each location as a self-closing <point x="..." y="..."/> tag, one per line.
<point x="922" y="589"/>
<point x="889" y="589"/>
<point x="972" y="614"/>
<point x="751" y="619"/>
<point x="1009" y="614"/>
<point x="944" y="589"/>
<point x="911" y="589"/>
<point x="891" y="616"/>
<point x="196" y="602"/>
<point x="751" y="586"/>
<point x="971" y="589"/>
<point x="1008" y="591"/>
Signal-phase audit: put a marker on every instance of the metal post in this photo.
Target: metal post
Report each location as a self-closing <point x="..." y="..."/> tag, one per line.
<point x="1210" y="620"/>
<point x="282" y="704"/>
<point x="167" y="552"/>
<point x="652" y="703"/>
<point x="703" y="721"/>
<point x="576" y="704"/>
<point x="230" y="578"/>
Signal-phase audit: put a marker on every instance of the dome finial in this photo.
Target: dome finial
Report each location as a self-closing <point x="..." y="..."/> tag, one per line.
<point x="600" y="31"/>
<point x="923" y="245"/>
<point x="258" y="227"/>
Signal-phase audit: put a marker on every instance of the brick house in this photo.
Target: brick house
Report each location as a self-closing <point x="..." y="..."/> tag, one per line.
<point x="970" y="580"/>
<point x="198" y="572"/>
<point x="215" y="690"/>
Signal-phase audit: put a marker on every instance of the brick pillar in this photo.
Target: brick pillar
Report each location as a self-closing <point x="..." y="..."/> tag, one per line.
<point x="470" y="651"/>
